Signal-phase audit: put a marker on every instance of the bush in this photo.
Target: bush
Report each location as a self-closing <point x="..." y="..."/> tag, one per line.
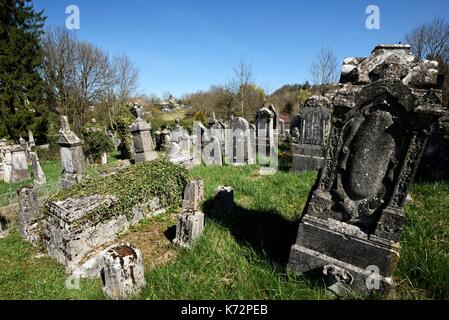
<point x="96" y="143"/>
<point x="133" y="185"/>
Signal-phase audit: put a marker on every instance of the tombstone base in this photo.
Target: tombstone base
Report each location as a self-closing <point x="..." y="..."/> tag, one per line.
<point x="145" y="156"/>
<point x="307" y="158"/>
<point x="189" y="226"/>
<point x="343" y="254"/>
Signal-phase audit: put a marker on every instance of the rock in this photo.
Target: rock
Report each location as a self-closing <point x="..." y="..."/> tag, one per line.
<point x="123" y="272"/>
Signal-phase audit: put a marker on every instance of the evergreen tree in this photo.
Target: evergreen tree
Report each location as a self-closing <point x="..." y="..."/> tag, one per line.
<point x="21" y="87"/>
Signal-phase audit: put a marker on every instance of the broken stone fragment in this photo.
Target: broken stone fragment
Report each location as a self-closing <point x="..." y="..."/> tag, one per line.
<point x="29" y="214"/>
<point x="123" y="271"/>
<point x="223" y="200"/>
<point x="189" y="226"/>
<point x="193" y="195"/>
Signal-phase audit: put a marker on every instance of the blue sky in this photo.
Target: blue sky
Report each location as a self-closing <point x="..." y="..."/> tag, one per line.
<point x="186" y="46"/>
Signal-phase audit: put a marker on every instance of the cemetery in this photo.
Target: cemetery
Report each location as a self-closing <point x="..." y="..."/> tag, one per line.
<point x="329" y="202"/>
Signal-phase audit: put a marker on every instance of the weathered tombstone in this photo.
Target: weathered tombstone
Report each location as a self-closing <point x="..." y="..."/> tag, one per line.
<point x="143" y="142"/>
<point x="264" y="134"/>
<point x="223" y="200"/>
<point x="31" y="141"/>
<point x="29" y="216"/>
<point x="239" y="150"/>
<point x="19" y="164"/>
<point x="165" y="138"/>
<point x="38" y="173"/>
<point x="123" y="271"/>
<point x="7" y="165"/>
<point x="104" y="158"/>
<point x="212" y="153"/>
<point x="314" y="119"/>
<point x="384" y="112"/>
<point x="193" y="195"/>
<point x="72" y="157"/>
<point x="189" y="227"/>
<point x="282" y="131"/>
<point x="190" y="223"/>
<point x="199" y="142"/>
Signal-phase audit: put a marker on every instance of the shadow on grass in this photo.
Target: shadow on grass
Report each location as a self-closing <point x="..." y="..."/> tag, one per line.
<point x="268" y="233"/>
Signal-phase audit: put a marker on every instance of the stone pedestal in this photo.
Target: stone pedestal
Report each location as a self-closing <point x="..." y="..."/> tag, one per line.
<point x="29" y="216"/>
<point x="143" y="142"/>
<point x="38" y="173"/>
<point x="189" y="227"/>
<point x="223" y="200"/>
<point x="123" y="272"/>
<point x="72" y="156"/>
<point x="384" y="112"/>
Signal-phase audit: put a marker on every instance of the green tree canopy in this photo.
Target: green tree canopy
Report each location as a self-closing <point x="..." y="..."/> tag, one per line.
<point x="21" y="87"/>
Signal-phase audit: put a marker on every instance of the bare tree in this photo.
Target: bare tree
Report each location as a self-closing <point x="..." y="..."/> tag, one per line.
<point x="59" y="68"/>
<point x="431" y="40"/>
<point x="127" y="76"/>
<point x="324" y="69"/>
<point x="243" y="76"/>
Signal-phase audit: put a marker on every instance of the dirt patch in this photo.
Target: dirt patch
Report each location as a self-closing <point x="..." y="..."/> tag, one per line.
<point x="152" y="241"/>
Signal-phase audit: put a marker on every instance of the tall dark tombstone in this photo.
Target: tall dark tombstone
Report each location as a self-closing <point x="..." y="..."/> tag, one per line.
<point x="314" y="119"/>
<point x="383" y="113"/>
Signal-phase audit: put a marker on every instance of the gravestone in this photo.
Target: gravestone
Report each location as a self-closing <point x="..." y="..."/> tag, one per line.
<point x="199" y="142"/>
<point x="314" y="118"/>
<point x="123" y="272"/>
<point x="142" y="140"/>
<point x="19" y="163"/>
<point x="223" y="201"/>
<point x="238" y="148"/>
<point x="29" y="216"/>
<point x="193" y="195"/>
<point x="38" y="173"/>
<point x="31" y="141"/>
<point x="190" y="223"/>
<point x="265" y="135"/>
<point x="384" y="111"/>
<point x="189" y="227"/>
<point x="181" y="146"/>
<point x="72" y="157"/>
<point x="7" y="165"/>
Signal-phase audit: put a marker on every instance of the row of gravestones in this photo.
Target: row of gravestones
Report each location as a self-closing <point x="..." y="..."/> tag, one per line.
<point x="351" y="226"/>
<point x="15" y="159"/>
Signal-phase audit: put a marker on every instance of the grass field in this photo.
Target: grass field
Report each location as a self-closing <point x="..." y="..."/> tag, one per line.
<point x="242" y="256"/>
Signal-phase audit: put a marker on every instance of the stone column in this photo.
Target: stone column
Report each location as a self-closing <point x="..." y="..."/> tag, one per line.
<point x="143" y="142"/>
<point x="38" y="173"/>
<point x="123" y="271"/>
<point x="72" y="156"/>
<point x="29" y="214"/>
